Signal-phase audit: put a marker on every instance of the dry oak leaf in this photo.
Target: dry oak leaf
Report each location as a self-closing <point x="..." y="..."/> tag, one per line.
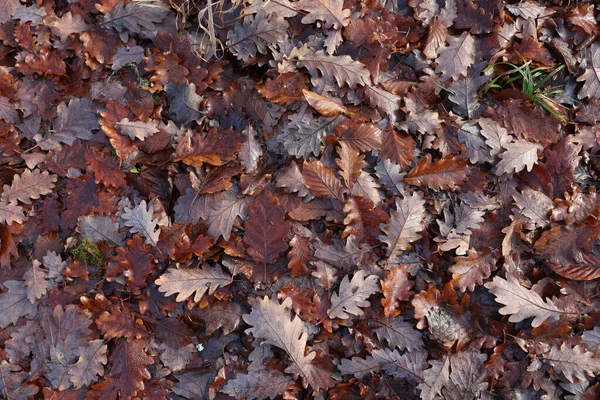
<point x="14" y="304"/>
<point x="139" y="220"/>
<point x="569" y="251"/>
<point x="331" y="12"/>
<point x="574" y="363"/>
<point x="13" y="384"/>
<point x="136" y="17"/>
<point x="457" y="57"/>
<point x="353" y="295"/>
<point x="324" y="105"/>
<point x="395" y="287"/>
<point x="223" y="213"/>
<point x="351" y="163"/>
<point x="66" y="25"/>
<point x="29" y="185"/>
<point x="272" y="323"/>
<point x="472" y="270"/>
<point x="283" y="8"/>
<point x="386" y="102"/>
<point x="444" y="174"/>
<point x="522" y="303"/>
<point x="591" y="76"/>
<point x="36" y="282"/>
<point x="255" y="34"/>
<point x="362" y="137"/>
<point x="400" y="334"/>
<point x="257" y="384"/>
<point x="266" y="229"/>
<point x="129" y="368"/>
<point x="519" y="155"/>
<point x="138" y="129"/>
<point x="405" y="226"/>
<point x="321" y="181"/>
<point x="75" y="120"/>
<point x="186" y="281"/>
<point x="11" y="212"/>
<point x="341" y="69"/>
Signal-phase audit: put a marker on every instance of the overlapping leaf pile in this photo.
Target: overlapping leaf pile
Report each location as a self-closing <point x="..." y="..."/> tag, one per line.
<point x="297" y="199"/>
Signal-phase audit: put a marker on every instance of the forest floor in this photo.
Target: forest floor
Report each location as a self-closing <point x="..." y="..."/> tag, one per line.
<point x="303" y="199"/>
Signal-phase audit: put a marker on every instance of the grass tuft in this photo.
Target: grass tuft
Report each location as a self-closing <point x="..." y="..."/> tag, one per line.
<point x="532" y="84"/>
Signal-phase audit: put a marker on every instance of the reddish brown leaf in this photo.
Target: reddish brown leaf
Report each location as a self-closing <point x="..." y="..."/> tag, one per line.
<point x="397" y="147"/>
<point x="215" y="148"/>
<point x="396" y="286"/>
<point x="321" y="181"/>
<point x="323" y="105"/>
<point x="570" y="251"/>
<point x="266" y="229"/>
<point x="444" y="174"/>
<point x="299" y="255"/>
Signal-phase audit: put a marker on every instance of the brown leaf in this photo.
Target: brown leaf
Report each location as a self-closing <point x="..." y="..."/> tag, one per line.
<point x="351" y="163"/>
<point x="570" y="251"/>
<point x="271" y="322"/>
<point x="444" y="174"/>
<point x="362" y="137"/>
<point x="397" y="147"/>
<point x="266" y="229"/>
<point x="395" y="287"/>
<point x="473" y="269"/>
<point x="324" y="105"/>
<point x="321" y="181"/>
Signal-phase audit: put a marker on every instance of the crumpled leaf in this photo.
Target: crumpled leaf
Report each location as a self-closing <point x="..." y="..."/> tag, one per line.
<point x="404" y="227"/>
<point x="271" y="322"/>
<point x="140" y="220"/>
<point x="569" y="251"/>
<point x="67" y="24"/>
<point x="522" y="303"/>
<point x="353" y="295"/>
<point x="471" y="270"/>
<point x="186" y="281"/>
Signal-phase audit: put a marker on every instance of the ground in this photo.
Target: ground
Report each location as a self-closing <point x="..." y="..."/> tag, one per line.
<point x="304" y="199"/>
